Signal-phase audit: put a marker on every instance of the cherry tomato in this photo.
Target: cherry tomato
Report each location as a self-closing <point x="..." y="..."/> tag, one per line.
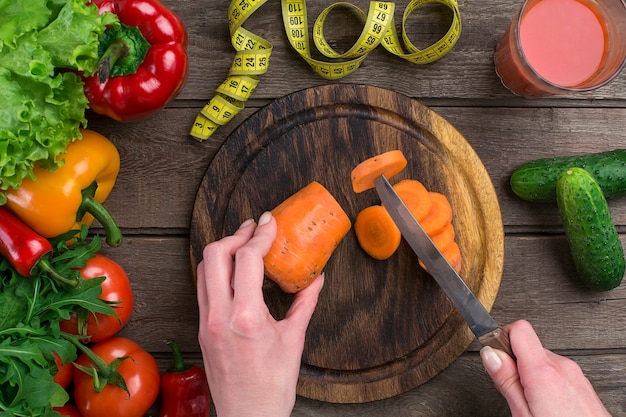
<point x="68" y="410"/>
<point x="140" y="371"/>
<point x="63" y="377"/>
<point x="116" y="288"/>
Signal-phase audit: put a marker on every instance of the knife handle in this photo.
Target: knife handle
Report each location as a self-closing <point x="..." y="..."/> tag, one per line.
<point x="497" y="339"/>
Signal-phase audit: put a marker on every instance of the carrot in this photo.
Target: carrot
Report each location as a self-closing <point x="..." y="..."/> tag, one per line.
<point x="415" y="196"/>
<point x="388" y="164"/>
<point x="439" y="215"/>
<point x="310" y="225"/>
<point x="376" y="232"/>
<point x="452" y="253"/>
<point x="444" y="237"/>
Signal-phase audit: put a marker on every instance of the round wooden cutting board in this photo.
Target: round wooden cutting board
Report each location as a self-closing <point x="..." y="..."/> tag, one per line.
<point x="380" y="328"/>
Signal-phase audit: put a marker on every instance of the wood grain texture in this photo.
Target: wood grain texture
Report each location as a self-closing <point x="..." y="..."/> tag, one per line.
<point x="162" y="168"/>
<point x="465" y="73"/>
<point x="384" y="327"/>
<point x="569" y="319"/>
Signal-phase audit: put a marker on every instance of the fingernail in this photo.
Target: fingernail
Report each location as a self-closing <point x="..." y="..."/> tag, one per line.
<point x="265" y="218"/>
<point x="491" y="359"/>
<point x="323" y="278"/>
<point x="246" y="223"/>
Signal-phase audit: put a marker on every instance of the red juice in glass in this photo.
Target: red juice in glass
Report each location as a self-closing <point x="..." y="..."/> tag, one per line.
<point x="562" y="46"/>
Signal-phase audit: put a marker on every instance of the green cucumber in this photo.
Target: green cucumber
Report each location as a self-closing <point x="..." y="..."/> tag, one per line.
<point x="536" y="180"/>
<point x="594" y="243"/>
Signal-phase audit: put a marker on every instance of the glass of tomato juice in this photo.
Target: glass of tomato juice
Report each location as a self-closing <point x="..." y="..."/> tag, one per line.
<point x="557" y="47"/>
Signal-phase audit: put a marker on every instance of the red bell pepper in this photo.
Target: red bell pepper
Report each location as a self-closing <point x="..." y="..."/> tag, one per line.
<point x="26" y="250"/>
<point x="143" y="64"/>
<point x="184" y="389"/>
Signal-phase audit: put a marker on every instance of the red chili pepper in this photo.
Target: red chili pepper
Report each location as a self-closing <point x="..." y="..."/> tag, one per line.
<point x="26" y="250"/>
<point x="143" y="64"/>
<point x="184" y="389"/>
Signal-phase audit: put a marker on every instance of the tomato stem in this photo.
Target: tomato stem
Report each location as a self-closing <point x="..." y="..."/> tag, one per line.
<point x="101" y="372"/>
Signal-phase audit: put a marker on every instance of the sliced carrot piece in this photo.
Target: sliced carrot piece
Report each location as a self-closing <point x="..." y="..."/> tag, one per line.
<point x="310" y="225"/>
<point x="452" y="253"/>
<point x="439" y="215"/>
<point x="388" y="164"/>
<point x="415" y="196"/>
<point x="376" y="232"/>
<point x="444" y="237"/>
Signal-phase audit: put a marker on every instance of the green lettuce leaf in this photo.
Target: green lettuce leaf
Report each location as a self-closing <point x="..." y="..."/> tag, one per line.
<point x="17" y="17"/>
<point x="73" y="37"/>
<point x="42" y="44"/>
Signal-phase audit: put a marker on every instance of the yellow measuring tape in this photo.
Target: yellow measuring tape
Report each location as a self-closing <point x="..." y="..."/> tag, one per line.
<point x="253" y="52"/>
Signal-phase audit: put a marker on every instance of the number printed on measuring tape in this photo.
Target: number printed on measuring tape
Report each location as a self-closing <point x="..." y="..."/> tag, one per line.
<point x="251" y="60"/>
<point x="253" y="52"/>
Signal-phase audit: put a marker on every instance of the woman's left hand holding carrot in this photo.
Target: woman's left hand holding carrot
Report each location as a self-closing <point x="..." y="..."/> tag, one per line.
<point x="252" y="361"/>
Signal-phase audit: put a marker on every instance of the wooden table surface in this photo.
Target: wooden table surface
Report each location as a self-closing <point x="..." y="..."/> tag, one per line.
<point x="162" y="167"/>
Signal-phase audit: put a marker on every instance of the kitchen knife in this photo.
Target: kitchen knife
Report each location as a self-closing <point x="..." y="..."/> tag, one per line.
<point x="486" y="329"/>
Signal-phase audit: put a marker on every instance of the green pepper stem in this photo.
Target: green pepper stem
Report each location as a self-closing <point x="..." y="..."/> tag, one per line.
<point x="114" y="52"/>
<point x="113" y="233"/>
<point x="179" y="362"/>
<point x="44" y="265"/>
<point x="92" y="206"/>
<point x="122" y="51"/>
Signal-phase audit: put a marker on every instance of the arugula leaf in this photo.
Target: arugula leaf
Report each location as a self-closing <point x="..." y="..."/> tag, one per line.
<point x="33" y="396"/>
<point x="12" y="307"/>
<point x="30" y="311"/>
<point x="66" y="262"/>
<point x="62" y="304"/>
<point x="43" y="104"/>
<point x="27" y="354"/>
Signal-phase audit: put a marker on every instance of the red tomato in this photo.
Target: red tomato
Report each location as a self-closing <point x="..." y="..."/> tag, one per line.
<point x="115" y="288"/>
<point x="140" y="371"/>
<point x="63" y="377"/>
<point x="68" y="410"/>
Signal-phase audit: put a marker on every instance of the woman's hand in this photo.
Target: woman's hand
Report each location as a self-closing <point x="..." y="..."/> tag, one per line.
<point x="541" y="383"/>
<point x="252" y="361"/>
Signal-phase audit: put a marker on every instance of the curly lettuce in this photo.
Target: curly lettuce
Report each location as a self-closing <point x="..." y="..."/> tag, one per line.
<point x="42" y="44"/>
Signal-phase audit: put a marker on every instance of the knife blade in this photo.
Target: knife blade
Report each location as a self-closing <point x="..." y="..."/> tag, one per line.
<point x="480" y="322"/>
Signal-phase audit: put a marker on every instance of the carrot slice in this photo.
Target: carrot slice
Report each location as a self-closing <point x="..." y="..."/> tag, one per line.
<point x="439" y="215"/>
<point x="310" y="225"/>
<point x="415" y="196"/>
<point x="376" y="232"/>
<point x="444" y="237"/>
<point x="388" y="164"/>
<point x="452" y="253"/>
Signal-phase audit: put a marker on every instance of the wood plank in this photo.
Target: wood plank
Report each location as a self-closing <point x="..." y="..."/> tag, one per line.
<point x="568" y="318"/>
<point x="362" y="357"/>
<point x="466" y="72"/>
<point x="162" y="166"/>
<point x="462" y="390"/>
<point x="465" y="390"/>
<point x="565" y="314"/>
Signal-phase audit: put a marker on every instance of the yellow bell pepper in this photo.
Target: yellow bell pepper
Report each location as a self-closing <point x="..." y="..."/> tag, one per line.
<point x="58" y="201"/>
